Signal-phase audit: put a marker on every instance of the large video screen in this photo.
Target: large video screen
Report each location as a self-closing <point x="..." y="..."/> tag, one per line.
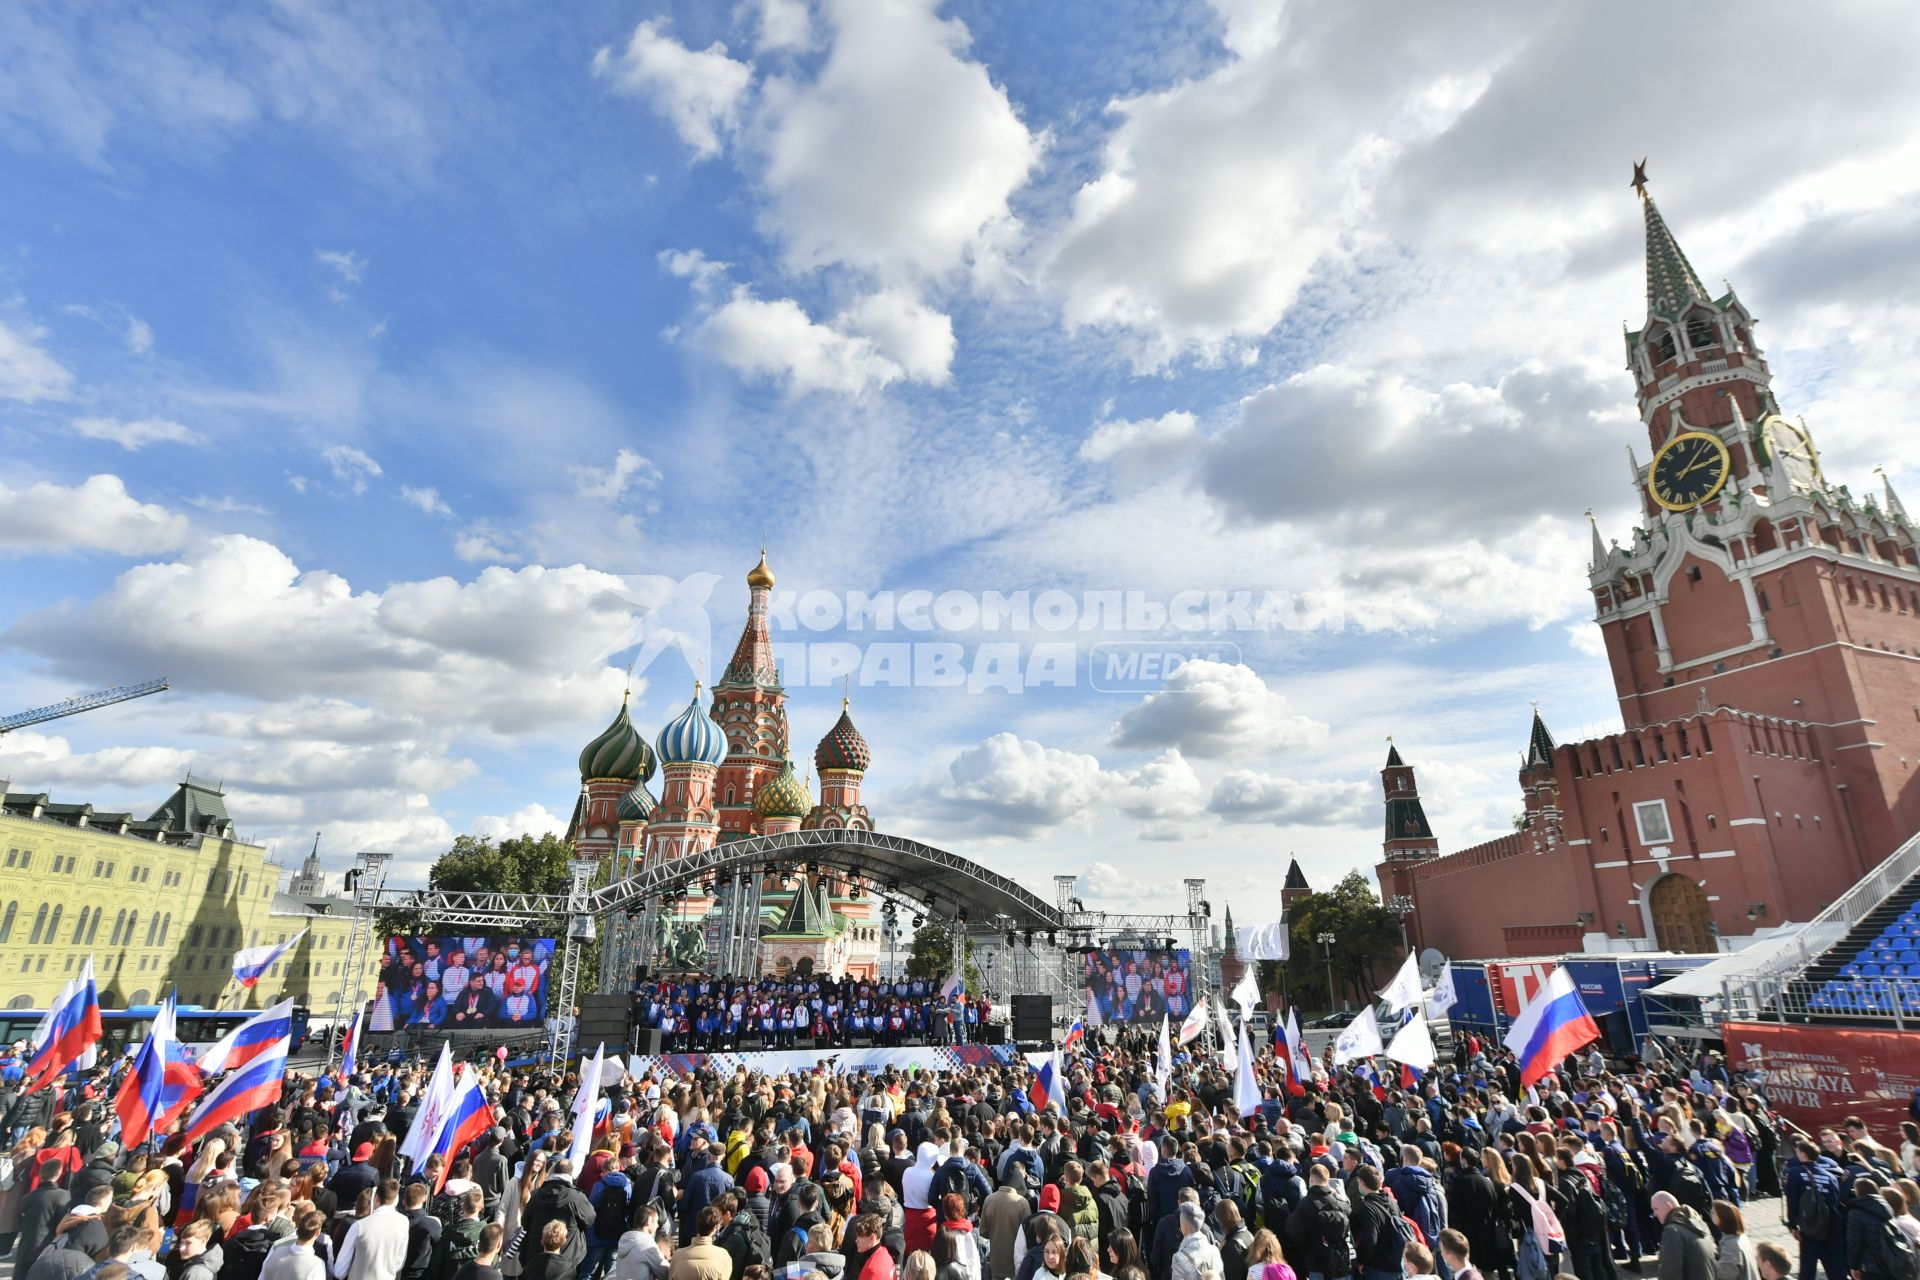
<point x="462" y="983"/>
<point x="1137" y="986"/>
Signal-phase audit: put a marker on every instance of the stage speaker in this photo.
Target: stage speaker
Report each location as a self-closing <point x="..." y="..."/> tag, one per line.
<point x="1033" y="1018"/>
<point x="993" y="1033"/>
<point x="603" y="1018"/>
<point x="751" y="1044"/>
<point x="648" y="1040"/>
<point x="860" y="1040"/>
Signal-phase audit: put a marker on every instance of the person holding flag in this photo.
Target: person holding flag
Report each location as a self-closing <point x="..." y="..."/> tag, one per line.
<point x="350" y="1047"/>
<point x="161" y="1085"/>
<point x="1075" y="1034"/>
<point x="246" y="1089"/>
<point x="1049" y="1085"/>
<point x="69" y="1035"/>
<point x="1554" y="1025"/>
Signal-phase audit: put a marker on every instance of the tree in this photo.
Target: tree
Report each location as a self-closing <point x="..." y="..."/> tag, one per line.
<point x="932" y="954"/>
<point x="1366" y="938"/>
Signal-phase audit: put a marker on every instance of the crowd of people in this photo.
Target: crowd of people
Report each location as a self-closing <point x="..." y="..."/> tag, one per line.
<point x="462" y="983"/>
<point x="703" y="1013"/>
<point x="958" y="1175"/>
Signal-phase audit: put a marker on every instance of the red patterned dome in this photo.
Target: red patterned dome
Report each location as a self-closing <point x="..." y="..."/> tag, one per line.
<point x="843" y="747"/>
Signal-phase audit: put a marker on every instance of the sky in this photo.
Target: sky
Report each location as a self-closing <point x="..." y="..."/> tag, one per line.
<point x="1147" y="408"/>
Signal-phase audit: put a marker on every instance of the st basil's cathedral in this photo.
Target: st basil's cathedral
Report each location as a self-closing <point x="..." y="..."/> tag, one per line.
<point x="726" y="773"/>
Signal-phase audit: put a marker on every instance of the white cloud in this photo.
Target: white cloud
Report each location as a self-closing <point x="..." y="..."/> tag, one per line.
<point x="139" y="336"/>
<point x="27" y="372"/>
<point x="351" y="467"/>
<point x="778" y="340"/>
<point x="1246" y="796"/>
<point x="1146" y="448"/>
<point x="610" y="484"/>
<point x="699" y="92"/>
<point x="344" y="263"/>
<point x="901" y="157"/>
<point x="508" y="651"/>
<point x="783" y="26"/>
<point x="694" y="266"/>
<point x="531" y="819"/>
<point x="485" y="543"/>
<point x="137" y="433"/>
<point x="226" y="506"/>
<point x="1217" y="709"/>
<point x="907" y="331"/>
<point x="427" y="500"/>
<point x="1104" y="882"/>
<point x="136" y="333"/>
<point x="95" y="515"/>
<point x="1008" y="785"/>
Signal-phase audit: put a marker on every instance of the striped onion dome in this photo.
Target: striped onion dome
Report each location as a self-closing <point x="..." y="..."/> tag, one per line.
<point x="692" y="738"/>
<point x="636" y="805"/>
<point x="843" y="747"/>
<point x="784" y="797"/>
<point x="619" y="752"/>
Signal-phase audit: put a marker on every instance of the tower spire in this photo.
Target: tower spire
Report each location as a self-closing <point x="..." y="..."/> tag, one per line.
<point x="1672" y="283"/>
<point x="1599" y="550"/>
<point x="1894" y="506"/>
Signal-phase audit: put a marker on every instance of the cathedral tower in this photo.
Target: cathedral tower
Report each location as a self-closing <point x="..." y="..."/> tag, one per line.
<point x="692" y="750"/>
<point x="611" y="765"/>
<point x="751" y="709"/>
<point x="842" y="758"/>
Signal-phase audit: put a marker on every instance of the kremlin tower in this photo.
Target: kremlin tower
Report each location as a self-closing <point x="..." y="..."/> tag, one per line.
<point x="1762" y="629"/>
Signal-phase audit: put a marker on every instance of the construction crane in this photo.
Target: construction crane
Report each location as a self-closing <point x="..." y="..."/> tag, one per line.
<point x="85" y="702"/>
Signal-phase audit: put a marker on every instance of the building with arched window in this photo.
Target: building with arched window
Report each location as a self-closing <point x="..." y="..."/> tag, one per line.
<point x="160" y="904"/>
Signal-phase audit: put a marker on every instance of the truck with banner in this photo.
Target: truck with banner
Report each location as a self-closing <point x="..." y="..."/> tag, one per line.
<point x="1491" y="993"/>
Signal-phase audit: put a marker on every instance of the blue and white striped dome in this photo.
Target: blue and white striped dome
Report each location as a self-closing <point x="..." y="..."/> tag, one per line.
<point x="692" y="738"/>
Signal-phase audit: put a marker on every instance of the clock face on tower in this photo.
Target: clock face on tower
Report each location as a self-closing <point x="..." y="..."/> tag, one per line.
<point x="1688" y="470"/>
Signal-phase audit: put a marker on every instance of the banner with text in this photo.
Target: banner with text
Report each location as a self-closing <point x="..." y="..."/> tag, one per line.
<point x="1821" y="1075"/>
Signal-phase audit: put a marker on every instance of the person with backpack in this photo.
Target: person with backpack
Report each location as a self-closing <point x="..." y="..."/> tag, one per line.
<point x="1235" y="1239"/>
<point x="1077" y="1204"/>
<point x="1585" y="1222"/>
<point x="1877" y="1249"/>
<point x="742" y="1236"/>
<point x="1320" y="1231"/>
<point x="1418" y="1193"/>
<point x="460" y="1240"/>
<point x="612" y="1201"/>
<point x="1380" y="1230"/>
<point x="1816" y="1212"/>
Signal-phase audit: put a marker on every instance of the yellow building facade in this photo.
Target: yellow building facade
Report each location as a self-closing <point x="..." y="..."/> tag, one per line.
<point x="161" y="905"/>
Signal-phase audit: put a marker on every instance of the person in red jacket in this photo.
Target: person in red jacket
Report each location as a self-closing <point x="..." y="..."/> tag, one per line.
<point x="871" y="1259"/>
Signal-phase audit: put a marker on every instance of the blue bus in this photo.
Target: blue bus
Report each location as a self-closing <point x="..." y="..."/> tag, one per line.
<point x="124" y="1029"/>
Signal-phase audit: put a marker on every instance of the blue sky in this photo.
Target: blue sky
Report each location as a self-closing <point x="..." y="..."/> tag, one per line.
<point x="376" y="373"/>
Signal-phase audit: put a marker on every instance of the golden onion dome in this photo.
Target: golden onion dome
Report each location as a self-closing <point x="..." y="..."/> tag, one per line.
<point x="760" y="575"/>
<point x="784" y="797"/>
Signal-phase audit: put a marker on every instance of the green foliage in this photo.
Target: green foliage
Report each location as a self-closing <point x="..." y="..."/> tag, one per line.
<point x="1366" y="942"/>
<point x="932" y="955"/>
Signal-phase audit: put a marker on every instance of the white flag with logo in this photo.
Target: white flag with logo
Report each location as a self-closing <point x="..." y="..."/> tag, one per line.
<point x="1405" y="988"/>
<point x="1227" y="1054"/>
<point x="1196" y="1021"/>
<point x="435" y="1106"/>
<point x="584" y="1103"/>
<point x="1246" y="1091"/>
<point x="1164" y="1069"/>
<point x="1361" y="1039"/>
<point x="1301" y="1060"/>
<point x="1262" y="941"/>
<point x="1443" y="997"/>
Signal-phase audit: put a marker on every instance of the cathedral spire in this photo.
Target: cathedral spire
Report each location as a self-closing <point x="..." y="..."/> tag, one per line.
<point x="1599" y="548"/>
<point x="1672" y="283"/>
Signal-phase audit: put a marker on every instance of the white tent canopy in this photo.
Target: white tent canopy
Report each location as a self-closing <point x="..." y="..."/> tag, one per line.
<point x="1707" y="981"/>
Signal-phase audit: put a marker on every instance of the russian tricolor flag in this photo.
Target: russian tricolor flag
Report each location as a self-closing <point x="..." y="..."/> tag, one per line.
<point x="161" y="1085"/>
<point x="257" y="1037"/>
<point x="70" y="1032"/>
<point x="1553" y="1025"/>
<point x="350" y="1047"/>
<point x="952" y="987"/>
<point x="249" y="964"/>
<point x="1049" y="1085"/>
<point x="246" y="1089"/>
<point x="470" y="1117"/>
<point x="1075" y="1034"/>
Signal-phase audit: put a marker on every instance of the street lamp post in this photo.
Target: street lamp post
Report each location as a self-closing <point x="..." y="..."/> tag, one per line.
<point x="1402" y="906"/>
<point x="1326" y="945"/>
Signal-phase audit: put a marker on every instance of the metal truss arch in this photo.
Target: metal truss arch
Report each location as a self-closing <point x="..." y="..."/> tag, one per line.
<point x="903" y="867"/>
